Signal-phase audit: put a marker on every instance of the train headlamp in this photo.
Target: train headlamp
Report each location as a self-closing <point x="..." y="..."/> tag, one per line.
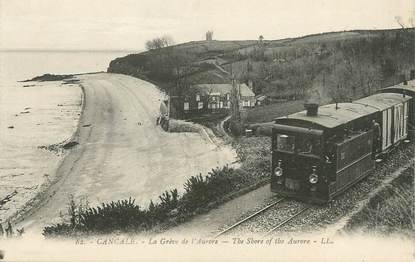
<point x="313" y="178"/>
<point x="278" y="171"/>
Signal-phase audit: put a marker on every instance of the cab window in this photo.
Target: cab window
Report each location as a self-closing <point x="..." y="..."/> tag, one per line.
<point x="308" y="145"/>
<point x="285" y="143"/>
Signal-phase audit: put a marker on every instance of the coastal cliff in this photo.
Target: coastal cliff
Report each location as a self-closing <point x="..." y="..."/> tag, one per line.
<point x="324" y="67"/>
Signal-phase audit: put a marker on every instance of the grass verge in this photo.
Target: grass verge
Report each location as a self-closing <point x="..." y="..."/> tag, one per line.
<point x="391" y="211"/>
<point x="268" y="113"/>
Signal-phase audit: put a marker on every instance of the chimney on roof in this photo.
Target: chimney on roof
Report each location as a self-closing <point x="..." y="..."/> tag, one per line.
<point x="312" y="109"/>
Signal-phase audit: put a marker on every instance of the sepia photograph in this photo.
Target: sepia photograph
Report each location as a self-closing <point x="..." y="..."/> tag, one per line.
<point x="194" y="130"/>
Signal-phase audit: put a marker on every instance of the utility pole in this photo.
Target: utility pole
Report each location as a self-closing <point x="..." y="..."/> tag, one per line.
<point x="236" y="115"/>
<point x="168" y="104"/>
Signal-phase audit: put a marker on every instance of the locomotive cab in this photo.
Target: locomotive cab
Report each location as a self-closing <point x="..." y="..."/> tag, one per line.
<point x="316" y="156"/>
<point x="297" y="161"/>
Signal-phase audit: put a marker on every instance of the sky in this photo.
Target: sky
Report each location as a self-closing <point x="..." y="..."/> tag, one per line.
<point x="127" y="24"/>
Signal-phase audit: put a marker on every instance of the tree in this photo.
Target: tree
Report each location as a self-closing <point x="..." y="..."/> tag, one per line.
<point x="159" y="42"/>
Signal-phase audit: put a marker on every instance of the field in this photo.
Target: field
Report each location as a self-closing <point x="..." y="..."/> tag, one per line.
<point x="268" y="113"/>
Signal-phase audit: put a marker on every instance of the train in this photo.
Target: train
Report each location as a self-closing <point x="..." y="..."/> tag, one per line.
<point x="322" y="151"/>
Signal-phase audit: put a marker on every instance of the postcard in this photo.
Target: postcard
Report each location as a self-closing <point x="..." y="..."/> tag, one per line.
<point x="199" y="130"/>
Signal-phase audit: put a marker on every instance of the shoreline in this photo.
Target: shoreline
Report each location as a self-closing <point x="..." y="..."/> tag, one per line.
<point x="34" y="203"/>
<point x="57" y="77"/>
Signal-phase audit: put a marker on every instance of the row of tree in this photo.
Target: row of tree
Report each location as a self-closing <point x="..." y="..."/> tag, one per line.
<point x="159" y="42"/>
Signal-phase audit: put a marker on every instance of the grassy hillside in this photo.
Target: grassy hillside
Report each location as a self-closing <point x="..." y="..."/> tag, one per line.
<point x="323" y="67"/>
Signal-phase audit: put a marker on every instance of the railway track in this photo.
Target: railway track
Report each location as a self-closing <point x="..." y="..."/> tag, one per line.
<point x="280" y="220"/>
<point x="286" y="221"/>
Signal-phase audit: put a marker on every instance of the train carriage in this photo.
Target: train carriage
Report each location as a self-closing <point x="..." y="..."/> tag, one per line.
<point x="322" y="151"/>
<point x="392" y="115"/>
<point x="406" y="88"/>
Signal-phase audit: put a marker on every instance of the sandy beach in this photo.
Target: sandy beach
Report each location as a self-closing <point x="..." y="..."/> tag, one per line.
<point x="121" y="152"/>
<point x="35" y="119"/>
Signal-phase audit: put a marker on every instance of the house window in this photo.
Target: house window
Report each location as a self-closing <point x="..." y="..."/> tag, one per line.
<point x="198" y="98"/>
<point x="213" y="98"/>
<point x="186" y="106"/>
<point x="228" y="97"/>
<point x="220" y="104"/>
<point x="200" y="105"/>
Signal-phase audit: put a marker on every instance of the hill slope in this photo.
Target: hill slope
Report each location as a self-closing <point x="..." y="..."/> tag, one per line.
<point x="322" y="67"/>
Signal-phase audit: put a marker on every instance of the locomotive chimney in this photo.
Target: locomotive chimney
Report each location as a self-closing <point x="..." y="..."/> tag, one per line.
<point x="312" y="109"/>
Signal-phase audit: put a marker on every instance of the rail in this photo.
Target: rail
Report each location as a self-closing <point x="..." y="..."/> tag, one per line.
<point x="287" y="220"/>
<point x="249" y="217"/>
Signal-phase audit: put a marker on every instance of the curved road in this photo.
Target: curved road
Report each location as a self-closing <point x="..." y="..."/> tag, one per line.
<point x="121" y="152"/>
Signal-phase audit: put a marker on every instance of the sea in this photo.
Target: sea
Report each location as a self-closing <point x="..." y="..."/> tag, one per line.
<point x="37" y="116"/>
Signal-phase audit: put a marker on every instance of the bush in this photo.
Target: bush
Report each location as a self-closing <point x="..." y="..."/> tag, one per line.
<point x="125" y="216"/>
<point x="199" y="191"/>
<point x="178" y="126"/>
<point x="121" y="215"/>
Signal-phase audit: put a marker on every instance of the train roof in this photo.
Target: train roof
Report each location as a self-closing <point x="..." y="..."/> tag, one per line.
<point x="409" y="88"/>
<point x="382" y="101"/>
<point x="330" y="116"/>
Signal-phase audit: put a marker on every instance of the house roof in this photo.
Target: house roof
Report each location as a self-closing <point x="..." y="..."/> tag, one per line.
<point x="223" y="89"/>
<point x="328" y="116"/>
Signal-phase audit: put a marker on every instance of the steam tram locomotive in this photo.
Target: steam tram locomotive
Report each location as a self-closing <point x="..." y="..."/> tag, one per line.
<point x="322" y="151"/>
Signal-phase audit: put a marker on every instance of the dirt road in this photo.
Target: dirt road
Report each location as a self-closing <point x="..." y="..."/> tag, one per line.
<point x="122" y="153"/>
